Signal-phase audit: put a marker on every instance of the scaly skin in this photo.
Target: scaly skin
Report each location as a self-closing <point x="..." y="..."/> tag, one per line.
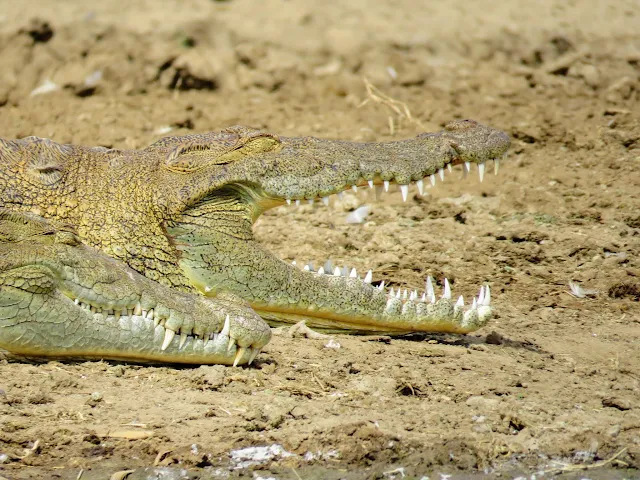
<point x="59" y="298"/>
<point x="181" y="212"/>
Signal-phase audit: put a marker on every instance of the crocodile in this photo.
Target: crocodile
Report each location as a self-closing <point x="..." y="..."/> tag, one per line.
<point x="149" y="255"/>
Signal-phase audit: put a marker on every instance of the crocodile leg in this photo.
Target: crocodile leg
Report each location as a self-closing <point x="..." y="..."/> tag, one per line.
<point x="59" y="298"/>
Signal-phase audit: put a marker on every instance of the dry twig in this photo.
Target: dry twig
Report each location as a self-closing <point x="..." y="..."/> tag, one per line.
<point x="568" y="467"/>
<point x="396" y="106"/>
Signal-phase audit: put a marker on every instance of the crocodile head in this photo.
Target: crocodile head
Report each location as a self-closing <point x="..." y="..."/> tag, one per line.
<point x="267" y="170"/>
<point x="214" y="186"/>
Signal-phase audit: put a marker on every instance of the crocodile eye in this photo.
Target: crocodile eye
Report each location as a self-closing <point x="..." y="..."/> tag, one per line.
<point x="67" y="238"/>
<point x="458" y="125"/>
<point x="46" y="160"/>
<point x="231" y="145"/>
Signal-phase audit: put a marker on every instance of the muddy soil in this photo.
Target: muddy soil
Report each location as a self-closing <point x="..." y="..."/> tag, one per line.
<point x="551" y="385"/>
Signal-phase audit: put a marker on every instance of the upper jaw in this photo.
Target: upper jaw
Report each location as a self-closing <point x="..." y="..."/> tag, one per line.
<point x="339" y="166"/>
<point x="304" y="169"/>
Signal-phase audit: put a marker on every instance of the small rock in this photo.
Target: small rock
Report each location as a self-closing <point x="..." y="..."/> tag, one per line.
<point x="359" y="215"/>
<point x="213" y="376"/>
<point x="332" y="344"/>
<point x="613" y="431"/>
<point x="494" y="338"/>
<point x="589" y="73"/>
<point x="616" y="402"/>
<point x="94" y="399"/>
<point x="482" y="403"/>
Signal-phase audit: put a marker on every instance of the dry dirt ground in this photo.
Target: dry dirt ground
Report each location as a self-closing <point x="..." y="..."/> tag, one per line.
<point x="551" y="385"/>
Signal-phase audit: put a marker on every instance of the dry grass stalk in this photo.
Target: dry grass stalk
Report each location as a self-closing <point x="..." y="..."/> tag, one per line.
<point x="401" y="109"/>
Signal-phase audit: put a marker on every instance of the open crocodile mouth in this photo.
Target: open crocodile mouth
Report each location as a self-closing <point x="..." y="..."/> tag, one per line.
<point x="327" y="296"/>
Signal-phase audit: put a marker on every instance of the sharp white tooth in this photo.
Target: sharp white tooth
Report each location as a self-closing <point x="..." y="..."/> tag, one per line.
<point x="253" y="355"/>
<point x="405" y="294"/>
<point x="321" y="271"/>
<point x="431" y="294"/>
<point x="405" y="192"/>
<point x="389" y="305"/>
<point x="392" y="292"/>
<point x="449" y="167"/>
<point x="138" y="309"/>
<point x="144" y="313"/>
<point x="77" y="301"/>
<point x="474" y="304"/>
<point x="420" y="185"/>
<point x="467" y="166"/>
<point x="424" y="297"/>
<point x="441" y="173"/>
<point x="354" y="188"/>
<point x="487" y="296"/>
<point x="156" y="321"/>
<point x="288" y="201"/>
<point x="386" y="185"/>
<point x="381" y="286"/>
<point x="353" y="274"/>
<point x="460" y="302"/>
<point x="116" y="314"/>
<point x="370" y="182"/>
<point x="413" y="295"/>
<point x="307" y="268"/>
<point x="368" y="277"/>
<point x="341" y="196"/>
<point x="398" y="294"/>
<point x="150" y="313"/>
<point x="168" y="336"/>
<point x="129" y="312"/>
<point x="433" y="180"/>
<point x="183" y="340"/>
<point x="226" y="327"/>
<point x="496" y="166"/>
<point x="310" y="201"/>
<point x="447" y="290"/>
<point x="325" y="200"/>
<point x="294" y="263"/>
<point x="297" y="203"/>
<point x="336" y="272"/>
<point x="232" y="342"/>
<point x="92" y="309"/>
<point x="481" y="296"/>
<point x="239" y="355"/>
<point x="481" y="171"/>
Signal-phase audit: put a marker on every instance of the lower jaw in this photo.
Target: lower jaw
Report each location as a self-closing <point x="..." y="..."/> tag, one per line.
<point x="331" y="322"/>
<point x="140" y="343"/>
